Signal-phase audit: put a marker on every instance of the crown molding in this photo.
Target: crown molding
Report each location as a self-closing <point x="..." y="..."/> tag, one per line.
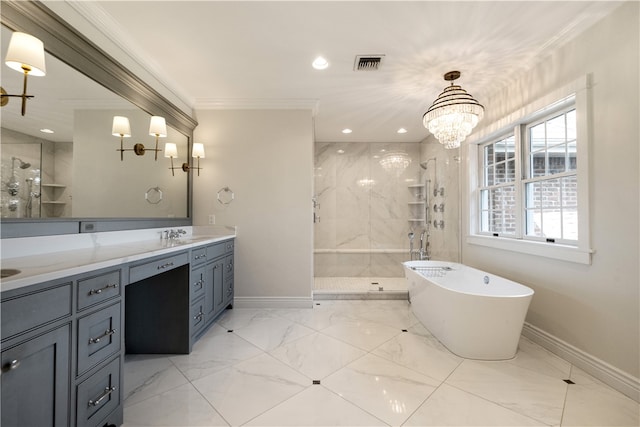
<point x="257" y="104"/>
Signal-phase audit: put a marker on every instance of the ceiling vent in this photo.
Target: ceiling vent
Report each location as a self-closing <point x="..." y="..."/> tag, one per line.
<point x="368" y="62"/>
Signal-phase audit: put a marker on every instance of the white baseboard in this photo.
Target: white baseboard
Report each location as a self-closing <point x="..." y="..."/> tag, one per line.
<point x="610" y="375"/>
<point x="273" y="302"/>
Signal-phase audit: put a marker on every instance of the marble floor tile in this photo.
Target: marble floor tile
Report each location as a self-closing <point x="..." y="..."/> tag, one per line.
<point x="321" y="316"/>
<point x="449" y="406"/>
<point x="534" y="357"/>
<point x="384" y="389"/>
<point x="316" y="406"/>
<point x="272" y="332"/>
<point x="214" y="352"/>
<point x="362" y="334"/>
<point x="146" y="375"/>
<point x="241" y="317"/>
<point x="538" y="396"/>
<point x="417" y="353"/>
<point x="593" y="403"/>
<point x="181" y="406"/>
<point x="317" y="355"/>
<point x="250" y="388"/>
<point x="371" y="373"/>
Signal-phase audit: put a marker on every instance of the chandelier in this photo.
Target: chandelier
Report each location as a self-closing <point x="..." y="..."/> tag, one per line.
<point x="395" y="162"/>
<point x="453" y="115"/>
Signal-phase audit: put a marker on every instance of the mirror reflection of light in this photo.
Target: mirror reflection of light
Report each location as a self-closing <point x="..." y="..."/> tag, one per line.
<point x="397" y="406"/>
<point x="366" y="182"/>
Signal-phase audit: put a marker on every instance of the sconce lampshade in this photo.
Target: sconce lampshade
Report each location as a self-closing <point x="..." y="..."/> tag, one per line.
<point x="170" y="150"/>
<point x="198" y="150"/>
<point x="158" y="126"/>
<point x="26" y="53"/>
<point x="121" y="127"/>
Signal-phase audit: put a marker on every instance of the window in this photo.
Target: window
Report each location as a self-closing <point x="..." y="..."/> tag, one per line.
<point x="550" y="184"/>
<point x="498" y="191"/>
<point x="531" y="183"/>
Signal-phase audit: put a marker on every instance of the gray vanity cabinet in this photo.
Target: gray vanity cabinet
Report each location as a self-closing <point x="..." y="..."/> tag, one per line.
<point x="35" y="380"/>
<point x="213" y="266"/>
<point x="58" y="338"/>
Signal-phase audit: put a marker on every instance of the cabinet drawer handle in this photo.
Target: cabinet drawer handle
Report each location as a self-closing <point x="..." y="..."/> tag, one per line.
<point x="14" y="364"/>
<point x="201" y="256"/>
<point x="99" y="291"/>
<point x="107" y="333"/>
<point x="169" y="264"/>
<point x="198" y="316"/>
<point x="199" y="283"/>
<point x="107" y="391"/>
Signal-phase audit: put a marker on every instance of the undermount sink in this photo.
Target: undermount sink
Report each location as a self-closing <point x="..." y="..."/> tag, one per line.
<point x="8" y="272"/>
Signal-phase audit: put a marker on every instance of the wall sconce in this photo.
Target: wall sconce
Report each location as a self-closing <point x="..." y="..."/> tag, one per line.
<point x="122" y="128"/>
<point x="26" y="55"/>
<point x="157" y="128"/>
<point x="171" y="151"/>
<point x="196" y="153"/>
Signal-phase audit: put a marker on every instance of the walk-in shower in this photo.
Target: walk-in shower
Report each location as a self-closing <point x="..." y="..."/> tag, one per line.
<point x="20" y="188"/>
<point x="364" y="199"/>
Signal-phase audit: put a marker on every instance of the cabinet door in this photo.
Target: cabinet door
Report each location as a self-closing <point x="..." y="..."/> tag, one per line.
<point x="214" y="288"/>
<point x="35" y="381"/>
<point x="228" y="281"/>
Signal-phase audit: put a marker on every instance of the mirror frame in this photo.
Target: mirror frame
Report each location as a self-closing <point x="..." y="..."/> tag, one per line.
<point x="74" y="49"/>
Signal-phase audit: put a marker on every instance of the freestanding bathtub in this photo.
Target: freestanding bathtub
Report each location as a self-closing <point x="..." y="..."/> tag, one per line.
<point x="474" y="314"/>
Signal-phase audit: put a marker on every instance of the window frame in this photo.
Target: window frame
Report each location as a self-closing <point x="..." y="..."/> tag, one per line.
<point x="574" y="95"/>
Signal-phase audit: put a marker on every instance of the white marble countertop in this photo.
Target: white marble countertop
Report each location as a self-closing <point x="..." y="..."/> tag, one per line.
<point x="96" y="253"/>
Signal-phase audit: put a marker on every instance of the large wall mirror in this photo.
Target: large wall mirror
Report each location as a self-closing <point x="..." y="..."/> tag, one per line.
<point x="53" y="183"/>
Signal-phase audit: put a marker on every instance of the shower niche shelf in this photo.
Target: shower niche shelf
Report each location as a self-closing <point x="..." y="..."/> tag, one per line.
<point x="54" y="191"/>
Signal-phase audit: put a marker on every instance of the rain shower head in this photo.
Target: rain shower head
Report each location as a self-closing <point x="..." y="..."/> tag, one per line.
<point x="23" y="165"/>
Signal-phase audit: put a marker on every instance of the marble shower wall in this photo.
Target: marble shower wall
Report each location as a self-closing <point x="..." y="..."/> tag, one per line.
<point x="363" y="209"/>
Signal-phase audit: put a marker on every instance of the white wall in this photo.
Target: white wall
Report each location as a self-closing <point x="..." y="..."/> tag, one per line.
<point x="266" y="158"/>
<point x="594" y="308"/>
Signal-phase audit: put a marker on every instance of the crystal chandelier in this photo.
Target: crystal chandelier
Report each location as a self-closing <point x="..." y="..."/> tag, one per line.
<point x="453" y="115"/>
<point x="395" y="162"/>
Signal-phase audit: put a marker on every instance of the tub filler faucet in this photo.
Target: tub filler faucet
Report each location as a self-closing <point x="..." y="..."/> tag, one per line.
<point x="422" y="253"/>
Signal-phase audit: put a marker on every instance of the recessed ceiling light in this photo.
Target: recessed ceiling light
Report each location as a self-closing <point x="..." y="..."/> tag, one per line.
<point x="320" y="63"/>
<point x="346" y="130"/>
<point x="402" y="130"/>
<point x="46" y="130"/>
<point x="340" y="151"/>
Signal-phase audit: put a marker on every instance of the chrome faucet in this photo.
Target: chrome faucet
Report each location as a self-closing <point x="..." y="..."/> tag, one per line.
<point x="173" y="234"/>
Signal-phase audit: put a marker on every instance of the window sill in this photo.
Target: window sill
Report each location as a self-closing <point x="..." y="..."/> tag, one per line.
<point x="547" y="250"/>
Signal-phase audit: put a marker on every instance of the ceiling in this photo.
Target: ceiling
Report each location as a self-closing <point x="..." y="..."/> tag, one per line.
<point x="241" y="54"/>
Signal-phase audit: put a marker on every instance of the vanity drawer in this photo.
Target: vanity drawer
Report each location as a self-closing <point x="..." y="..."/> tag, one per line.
<point x="196" y="315"/>
<point x="94" y="290"/>
<point x="29" y="311"/>
<point x="158" y="266"/>
<point x="98" y="337"/>
<point x="198" y="255"/>
<point x="98" y="395"/>
<point x="197" y="279"/>
<point x="219" y="249"/>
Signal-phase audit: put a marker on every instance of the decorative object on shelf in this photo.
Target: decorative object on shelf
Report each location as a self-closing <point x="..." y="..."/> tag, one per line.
<point x="153" y="195"/>
<point x="225" y="196"/>
<point x="453" y="115"/>
<point x="122" y="128"/>
<point x="25" y="54"/>
<point x="197" y="152"/>
<point x="395" y="161"/>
